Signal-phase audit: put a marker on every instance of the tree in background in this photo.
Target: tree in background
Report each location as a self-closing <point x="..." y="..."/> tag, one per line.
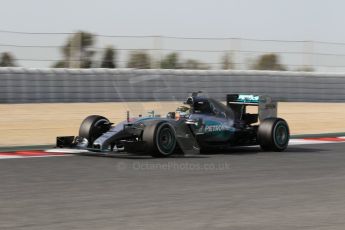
<point x="139" y="60"/>
<point x="306" y="69"/>
<point x="268" y="62"/>
<point x="109" y="58"/>
<point x="7" y="60"/>
<point x="61" y="64"/>
<point x="170" y="61"/>
<point x="77" y="52"/>
<point x="194" y="64"/>
<point x="226" y="62"/>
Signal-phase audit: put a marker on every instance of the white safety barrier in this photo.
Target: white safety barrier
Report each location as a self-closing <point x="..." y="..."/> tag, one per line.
<point x="24" y="85"/>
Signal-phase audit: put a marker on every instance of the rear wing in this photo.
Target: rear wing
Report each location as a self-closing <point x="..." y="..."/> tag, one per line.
<point x="266" y="106"/>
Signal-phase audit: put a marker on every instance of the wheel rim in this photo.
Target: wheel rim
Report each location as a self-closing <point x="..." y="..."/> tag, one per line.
<point x="281" y="135"/>
<point x="166" y="140"/>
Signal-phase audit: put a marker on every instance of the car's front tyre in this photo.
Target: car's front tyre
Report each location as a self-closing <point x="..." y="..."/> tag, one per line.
<point x="160" y="139"/>
<point x="93" y="127"/>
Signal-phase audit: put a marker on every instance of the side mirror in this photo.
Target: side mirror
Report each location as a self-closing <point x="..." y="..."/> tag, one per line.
<point x="191" y="122"/>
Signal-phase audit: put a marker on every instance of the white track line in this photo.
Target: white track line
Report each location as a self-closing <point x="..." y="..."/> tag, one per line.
<point x="5" y="157"/>
<point x="309" y="142"/>
<point x="8" y="157"/>
<point x="72" y="151"/>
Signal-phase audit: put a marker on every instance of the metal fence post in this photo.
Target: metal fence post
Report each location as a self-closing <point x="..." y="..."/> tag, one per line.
<point x="157" y="49"/>
<point x="236" y="47"/>
<point x="308" y="56"/>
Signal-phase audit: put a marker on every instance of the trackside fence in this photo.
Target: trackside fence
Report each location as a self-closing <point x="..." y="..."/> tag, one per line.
<point x="24" y="85"/>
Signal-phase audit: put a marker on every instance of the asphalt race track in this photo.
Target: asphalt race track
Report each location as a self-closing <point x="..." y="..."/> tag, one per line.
<point x="302" y="188"/>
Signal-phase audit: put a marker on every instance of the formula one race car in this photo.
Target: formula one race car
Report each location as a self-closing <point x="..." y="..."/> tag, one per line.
<point x="202" y="124"/>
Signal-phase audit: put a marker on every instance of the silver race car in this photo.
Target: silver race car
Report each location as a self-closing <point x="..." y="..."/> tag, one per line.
<point x="201" y="124"/>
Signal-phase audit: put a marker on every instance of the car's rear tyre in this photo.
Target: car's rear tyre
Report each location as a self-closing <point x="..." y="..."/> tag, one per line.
<point x="93" y="127"/>
<point x="160" y="139"/>
<point x="273" y="134"/>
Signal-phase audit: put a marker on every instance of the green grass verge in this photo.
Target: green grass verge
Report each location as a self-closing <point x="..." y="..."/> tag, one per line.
<point x="300" y="136"/>
<point x="28" y="147"/>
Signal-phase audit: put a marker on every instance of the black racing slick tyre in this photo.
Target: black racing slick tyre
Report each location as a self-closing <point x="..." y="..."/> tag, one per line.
<point x="160" y="139"/>
<point x="93" y="127"/>
<point x="273" y="134"/>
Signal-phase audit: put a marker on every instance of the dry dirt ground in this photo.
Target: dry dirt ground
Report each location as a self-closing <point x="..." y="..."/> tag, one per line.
<point x="38" y="124"/>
